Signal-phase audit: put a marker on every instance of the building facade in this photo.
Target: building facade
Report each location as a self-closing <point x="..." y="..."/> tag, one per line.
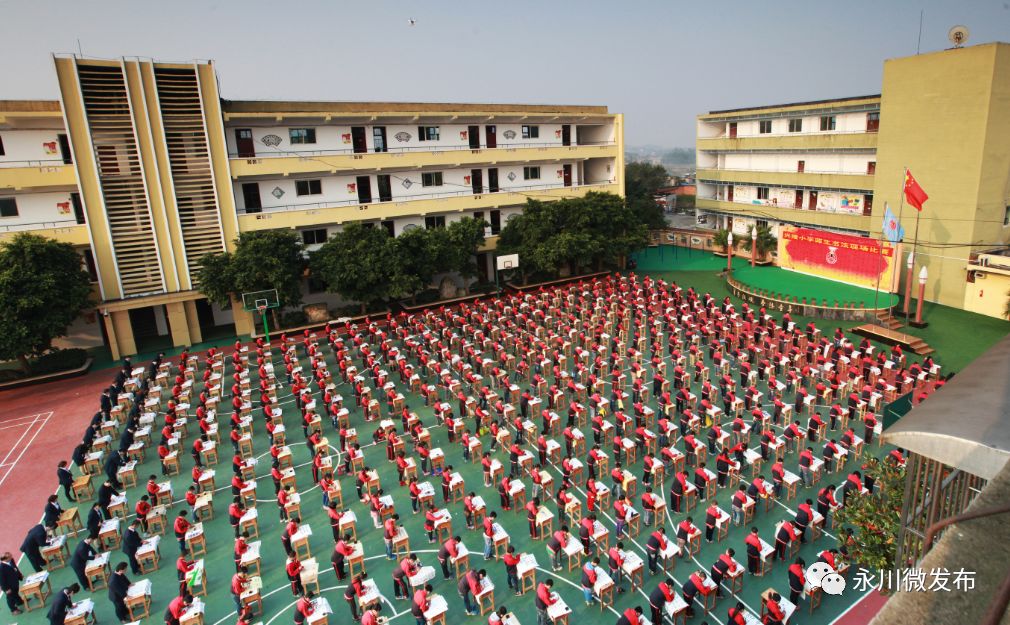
<point x="145" y="168"/>
<point x="837" y="164"/>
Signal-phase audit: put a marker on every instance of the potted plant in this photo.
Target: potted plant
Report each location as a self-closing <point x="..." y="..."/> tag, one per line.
<point x="766" y="242"/>
<point x="721" y="240"/>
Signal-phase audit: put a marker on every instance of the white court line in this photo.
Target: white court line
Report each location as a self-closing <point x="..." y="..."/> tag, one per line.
<point x="25" y="418"/>
<point x="23" y="450"/>
<point x="28" y="428"/>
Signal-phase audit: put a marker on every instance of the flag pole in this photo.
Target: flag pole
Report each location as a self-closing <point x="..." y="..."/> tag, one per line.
<point x="901" y="209"/>
<point x="880" y="255"/>
<point x="915" y="245"/>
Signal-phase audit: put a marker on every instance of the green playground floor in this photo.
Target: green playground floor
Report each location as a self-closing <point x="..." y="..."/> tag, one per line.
<point x="278" y="600"/>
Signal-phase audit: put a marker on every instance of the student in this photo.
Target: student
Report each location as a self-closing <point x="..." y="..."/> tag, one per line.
<point x="304" y="608"/>
<point x="796" y="579"/>
<point x="420" y="604"/>
<point x="10" y="582"/>
<point x="131" y="544"/>
<point x="631" y="616"/>
<point x="64" y="601"/>
<point x="31" y="546"/>
<point x="119" y="583"/>
<point x="659" y="597"/>
<point x="545" y="598"/>
<point x="66" y="479"/>
<point x="84" y="551"/>
<point x="590" y="573"/>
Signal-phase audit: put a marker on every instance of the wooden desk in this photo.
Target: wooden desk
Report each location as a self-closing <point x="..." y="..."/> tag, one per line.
<point x="36" y="586"/>
<point x="82" y="488"/>
<point x="69" y="521"/>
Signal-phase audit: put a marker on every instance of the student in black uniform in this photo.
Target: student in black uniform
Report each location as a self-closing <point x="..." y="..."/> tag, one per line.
<point x="61" y="604"/>
<point x="10" y="582"/>
<point x="85" y="551"/>
<point x="119" y="584"/>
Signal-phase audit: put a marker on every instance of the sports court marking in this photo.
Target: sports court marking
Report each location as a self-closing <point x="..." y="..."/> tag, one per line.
<point x="33" y="426"/>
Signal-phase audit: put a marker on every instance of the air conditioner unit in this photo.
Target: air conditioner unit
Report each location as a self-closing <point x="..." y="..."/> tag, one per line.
<point x="980" y="275"/>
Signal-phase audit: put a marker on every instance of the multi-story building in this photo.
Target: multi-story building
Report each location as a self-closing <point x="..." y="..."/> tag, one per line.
<point x="836" y="164"/>
<point x="145" y="168"/>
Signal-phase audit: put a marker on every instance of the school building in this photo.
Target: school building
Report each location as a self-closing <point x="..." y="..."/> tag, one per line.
<point x="837" y="164"/>
<point x="145" y="168"/>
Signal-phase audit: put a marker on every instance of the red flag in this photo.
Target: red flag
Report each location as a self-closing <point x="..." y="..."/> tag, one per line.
<point x="914" y="194"/>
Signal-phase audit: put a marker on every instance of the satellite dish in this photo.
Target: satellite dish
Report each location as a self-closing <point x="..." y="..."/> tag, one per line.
<point x="958" y="35"/>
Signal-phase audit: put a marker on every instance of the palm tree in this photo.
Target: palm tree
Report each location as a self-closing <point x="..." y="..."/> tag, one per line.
<point x="721" y="238"/>
<point x="766" y="241"/>
<point x="1006" y="308"/>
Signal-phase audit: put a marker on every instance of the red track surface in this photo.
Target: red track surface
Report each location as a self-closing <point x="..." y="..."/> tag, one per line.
<point x="39" y="426"/>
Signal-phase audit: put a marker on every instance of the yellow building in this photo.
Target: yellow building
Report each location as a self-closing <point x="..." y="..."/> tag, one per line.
<point x="145" y="168"/>
<point x="944" y="115"/>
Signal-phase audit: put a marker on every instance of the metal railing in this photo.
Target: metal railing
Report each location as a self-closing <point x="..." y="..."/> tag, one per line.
<point x="39" y="225"/>
<point x="784" y="171"/>
<point x="521" y="190"/>
<point x="55" y="162"/>
<point x="418" y="148"/>
<point x="767" y="204"/>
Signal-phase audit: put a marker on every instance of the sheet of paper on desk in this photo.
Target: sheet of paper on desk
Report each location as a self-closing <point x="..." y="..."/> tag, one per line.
<point x="139" y="589"/>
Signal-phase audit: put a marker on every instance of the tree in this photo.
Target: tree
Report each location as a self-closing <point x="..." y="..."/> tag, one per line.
<point x="877" y="517"/>
<point x="766" y="241"/>
<point x="721" y="239"/>
<point x="362" y="264"/>
<point x="641" y="182"/>
<point x="463" y="239"/>
<point x="262" y="260"/>
<point x="421" y="253"/>
<point x="618" y="231"/>
<point x="43" y="287"/>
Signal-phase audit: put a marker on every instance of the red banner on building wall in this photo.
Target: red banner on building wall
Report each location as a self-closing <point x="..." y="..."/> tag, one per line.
<point x="861" y="261"/>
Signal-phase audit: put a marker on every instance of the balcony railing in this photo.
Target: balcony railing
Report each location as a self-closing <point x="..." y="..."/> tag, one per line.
<point x="52" y="162"/>
<point x="39" y="225"/>
<point x="277" y="153"/>
<point x="786" y="171"/>
<point x="767" y="204"/>
<point x="423" y="196"/>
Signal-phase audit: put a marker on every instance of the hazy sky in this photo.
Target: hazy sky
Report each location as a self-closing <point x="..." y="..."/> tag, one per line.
<point x="658" y="62"/>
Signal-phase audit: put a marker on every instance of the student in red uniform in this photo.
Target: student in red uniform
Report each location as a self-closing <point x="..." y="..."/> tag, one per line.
<point x="694" y="585"/>
<point x="239" y="582"/>
<point x="294" y="570"/>
<point x="631" y="616"/>
<point x="724" y="565"/>
<point x="659" y="597"/>
<point x="176" y="607"/>
<point x="737" y="614"/>
<point x="796" y="579"/>
<point x="773" y="611"/>
<point x="753" y="542"/>
<point x="304" y="607"/>
<point x="656" y="543"/>
<point x="419" y="604"/>
<point x="545" y="599"/>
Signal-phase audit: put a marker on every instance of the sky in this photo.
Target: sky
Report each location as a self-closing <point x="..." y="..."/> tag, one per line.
<point x="660" y="63"/>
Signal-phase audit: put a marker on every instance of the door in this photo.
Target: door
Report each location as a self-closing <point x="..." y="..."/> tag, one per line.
<point x="379" y="139"/>
<point x="75" y="200"/>
<point x="251" y="197"/>
<point x="358" y="139"/>
<point x="385" y="188"/>
<point x="732" y="130"/>
<point x="729" y="193"/>
<point x="812" y="205"/>
<point x="798" y="203"/>
<point x="473" y="134"/>
<point x="364" y="190"/>
<point x="244" y="143"/>
<point x="567" y="173"/>
<point x="492" y="180"/>
<point x="800" y="166"/>
<point x="477" y="181"/>
<point x="491" y="136"/>
<point x="68" y="158"/>
<point x="566" y="134"/>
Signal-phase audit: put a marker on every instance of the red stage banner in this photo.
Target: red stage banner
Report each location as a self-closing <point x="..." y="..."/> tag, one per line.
<point x="861" y="261"/>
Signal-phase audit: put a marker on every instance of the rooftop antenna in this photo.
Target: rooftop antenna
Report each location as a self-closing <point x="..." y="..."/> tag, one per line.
<point x="79" y="53"/>
<point x="958" y="35"/>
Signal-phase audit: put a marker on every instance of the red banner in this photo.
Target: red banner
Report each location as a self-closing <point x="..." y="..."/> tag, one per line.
<point x="846" y="258"/>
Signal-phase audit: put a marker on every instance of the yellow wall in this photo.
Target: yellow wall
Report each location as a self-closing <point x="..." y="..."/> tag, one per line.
<point x="989" y="295"/>
<point x="860" y="182"/>
<point x="822" y="219"/>
<point x="939" y="118"/>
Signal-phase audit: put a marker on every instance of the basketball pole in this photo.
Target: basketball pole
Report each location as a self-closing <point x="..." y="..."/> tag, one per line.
<point x="266" y="328"/>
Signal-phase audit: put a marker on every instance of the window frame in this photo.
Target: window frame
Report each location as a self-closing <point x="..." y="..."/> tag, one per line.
<point x="764" y="126"/>
<point x="797" y="122"/>
<point x="315" y="236"/>
<point x="432" y="222"/>
<point x="530" y="131"/>
<point x="305" y="136"/>
<point x="9" y="201"/>
<point x="528" y="171"/>
<point x="310" y="183"/>
<point x="428" y="179"/>
<point x="428" y="133"/>
<point x="829" y="120"/>
<point x="767" y="192"/>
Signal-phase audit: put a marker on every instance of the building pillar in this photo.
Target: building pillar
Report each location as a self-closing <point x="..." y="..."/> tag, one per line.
<point x="193" y="321"/>
<point x="127" y="345"/>
<point x="110" y="332"/>
<point x="178" y="325"/>
<point x="244" y="322"/>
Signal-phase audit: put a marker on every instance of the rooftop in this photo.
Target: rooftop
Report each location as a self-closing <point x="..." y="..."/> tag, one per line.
<point x="281" y="106"/>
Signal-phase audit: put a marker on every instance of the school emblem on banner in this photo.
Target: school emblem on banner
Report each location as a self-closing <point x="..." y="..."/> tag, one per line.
<point x="832" y="256"/>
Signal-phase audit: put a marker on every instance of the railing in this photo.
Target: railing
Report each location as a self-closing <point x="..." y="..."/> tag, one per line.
<point x="815" y="133"/>
<point x="277" y="153"/>
<point x="39" y="225"/>
<point x="423" y="196"/>
<point x="801" y="305"/>
<point x="55" y="162"/>
<point x="753" y="204"/>
<point x="785" y="171"/>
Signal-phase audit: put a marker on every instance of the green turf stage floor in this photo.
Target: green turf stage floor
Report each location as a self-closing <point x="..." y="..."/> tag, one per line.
<point x="277" y="597"/>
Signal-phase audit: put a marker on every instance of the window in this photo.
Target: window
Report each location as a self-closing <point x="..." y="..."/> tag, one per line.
<point x="761" y="224"/>
<point x="871" y="167"/>
<point x="2" y="153"/>
<point x="1006" y="216"/>
<point x="867" y="205"/>
<point x="431" y="179"/>
<point x="765" y="126"/>
<point x="531" y="132"/>
<point x="90" y="266"/>
<point x="308" y="187"/>
<point x="8" y="207"/>
<point x="314" y="236"/>
<point x="427" y="133"/>
<point x="872" y="122"/>
<point x="479" y="216"/>
<point x="495" y="222"/>
<point x="827" y="122"/>
<point x="796" y="125"/>
<point x="801" y="166"/>
<point x="531" y="173"/>
<point x="302" y="135"/>
<point x="437" y="221"/>
<point x="762" y="193"/>
<point x="388" y="225"/>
